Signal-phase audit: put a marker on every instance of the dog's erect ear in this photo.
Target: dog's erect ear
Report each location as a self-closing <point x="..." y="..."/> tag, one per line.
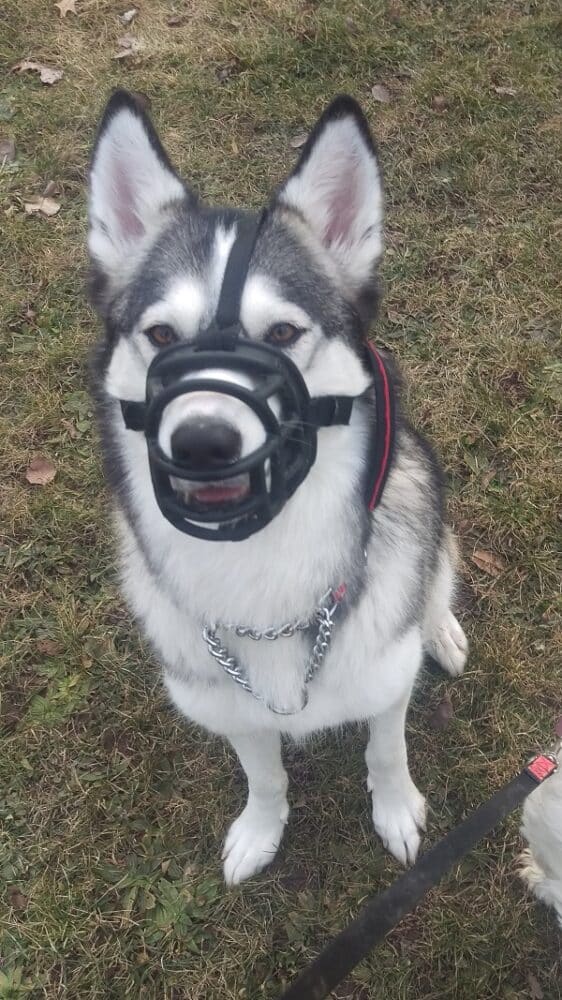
<point x="336" y="187"/>
<point x="132" y="185"/>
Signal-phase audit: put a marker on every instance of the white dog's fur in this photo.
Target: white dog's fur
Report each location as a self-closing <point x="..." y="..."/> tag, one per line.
<point x="174" y="583"/>
<point x="541" y="861"/>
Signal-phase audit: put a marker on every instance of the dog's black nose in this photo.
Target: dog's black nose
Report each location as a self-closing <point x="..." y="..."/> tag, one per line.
<point x="206" y="444"/>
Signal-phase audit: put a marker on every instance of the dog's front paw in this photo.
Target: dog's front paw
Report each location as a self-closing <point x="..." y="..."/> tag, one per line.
<point x="449" y="646"/>
<point x="398" y="817"/>
<point x="252" y="842"/>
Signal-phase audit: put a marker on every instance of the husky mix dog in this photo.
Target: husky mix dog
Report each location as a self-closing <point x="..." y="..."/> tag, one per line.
<point x="253" y="633"/>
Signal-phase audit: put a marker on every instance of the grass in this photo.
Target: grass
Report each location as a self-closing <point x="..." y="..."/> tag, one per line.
<point x="113" y="809"/>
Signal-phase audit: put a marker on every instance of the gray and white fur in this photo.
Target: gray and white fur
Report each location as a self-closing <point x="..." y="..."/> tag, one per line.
<point x="158" y="256"/>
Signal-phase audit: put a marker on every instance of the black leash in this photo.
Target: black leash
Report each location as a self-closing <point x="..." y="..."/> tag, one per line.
<point x="383" y="912"/>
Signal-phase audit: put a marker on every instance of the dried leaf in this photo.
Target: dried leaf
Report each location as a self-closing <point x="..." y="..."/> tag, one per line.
<point x="70" y="429"/>
<point x="143" y="100"/>
<point x="47" y="74"/>
<point x="7" y="151"/>
<point x="40" y="471"/>
<point x="505" y="91"/>
<point x="441" y="717"/>
<point x="6" y="109"/>
<point x="393" y="316"/>
<point x="176" y="20"/>
<point x="439" y="103"/>
<point x="129" y="15"/>
<point x="488" y="562"/>
<point x="224" y="73"/>
<point x="45" y="206"/>
<point x="535" y="987"/>
<point x="487" y="478"/>
<point x="51" y="188"/>
<point x="17" y="899"/>
<point x="48" y="647"/>
<point x="381" y="94"/>
<point x="129" y="46"/>
<point x="298" y="140"/>
<point x="66" y="7"/>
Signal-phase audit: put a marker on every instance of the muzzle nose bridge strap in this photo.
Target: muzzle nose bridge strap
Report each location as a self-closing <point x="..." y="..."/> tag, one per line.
<point x="226" y="323"/>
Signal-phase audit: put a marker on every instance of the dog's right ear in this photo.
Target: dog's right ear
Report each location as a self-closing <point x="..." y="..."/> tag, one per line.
<point x="132" y="188"/>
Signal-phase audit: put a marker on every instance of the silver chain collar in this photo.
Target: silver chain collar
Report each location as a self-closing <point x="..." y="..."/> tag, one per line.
<point x="323" y="616"/>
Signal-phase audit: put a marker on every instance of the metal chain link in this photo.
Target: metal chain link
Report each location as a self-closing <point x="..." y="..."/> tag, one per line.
<point x="323" y="614"/>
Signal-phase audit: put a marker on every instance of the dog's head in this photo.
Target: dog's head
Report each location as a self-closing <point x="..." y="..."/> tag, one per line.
<point x="158" y="258"/>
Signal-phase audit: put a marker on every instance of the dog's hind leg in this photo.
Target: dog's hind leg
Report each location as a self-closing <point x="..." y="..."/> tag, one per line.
<point x="254" y="837"/>
<point x="444" y="638"/>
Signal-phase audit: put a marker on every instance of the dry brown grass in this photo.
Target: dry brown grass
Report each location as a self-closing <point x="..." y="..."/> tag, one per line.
<point x="113" y="809"/>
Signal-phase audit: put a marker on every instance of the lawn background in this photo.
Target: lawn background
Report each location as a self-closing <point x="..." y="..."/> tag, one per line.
<point x="112" y="808"/>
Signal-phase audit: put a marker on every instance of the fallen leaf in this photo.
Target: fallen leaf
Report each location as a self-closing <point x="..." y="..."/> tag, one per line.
<point x="48" y="647"/>
<point x="7" y="151"/>
<point x="439" y="103"/>
<point x="47" y="74"/>
<point x="535" y="987"/>
<point x="505" y="91"/>
<point x="17" y="899"/>
<point x="441" y="717"/>
<point x="129" y="15"/>
<point x="223" y="73"/>
<point x="513" y="385"/>
<point x="6" y="109"/>
<point x="298" y="140"/>
<point x="45" y="206"/>
<point x="488" y="562"/>
<point x="129" y="46"/>
<point x="380" y="93"/>
<point x="66" y="7"/>
<point x="176" y="20"/>
<point x="143" y="100"/>
<point x="487" y="478"/>
<point x="40" y="471"/>
<point x="70" y="429"/>
<point x="393" y="316"/>
<point x="51" y="188"/>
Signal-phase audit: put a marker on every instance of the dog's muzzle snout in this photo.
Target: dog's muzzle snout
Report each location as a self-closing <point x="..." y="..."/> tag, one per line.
<point x="206" y="444"/>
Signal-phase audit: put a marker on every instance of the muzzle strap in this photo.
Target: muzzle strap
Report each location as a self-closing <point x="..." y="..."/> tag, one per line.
<point x="227" y="316"/>
<point x="134" y="414"/>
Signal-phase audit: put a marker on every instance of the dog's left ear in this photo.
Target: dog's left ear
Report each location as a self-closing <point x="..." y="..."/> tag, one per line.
<point x="336" y="187"/>
<point x="133" y="189"/>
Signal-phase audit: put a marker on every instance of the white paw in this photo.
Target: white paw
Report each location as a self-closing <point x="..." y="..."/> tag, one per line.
<point x="252" y="842"/>
<point x="399" y="816"/>
<point x="449" y="646"/>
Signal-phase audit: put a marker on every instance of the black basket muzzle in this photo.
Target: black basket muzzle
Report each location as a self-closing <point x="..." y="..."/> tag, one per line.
<point x="278" y="398"/>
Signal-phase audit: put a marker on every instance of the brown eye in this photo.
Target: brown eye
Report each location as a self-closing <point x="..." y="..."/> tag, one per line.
<point x="283" y="334"/>
<point x="161" y="335"/>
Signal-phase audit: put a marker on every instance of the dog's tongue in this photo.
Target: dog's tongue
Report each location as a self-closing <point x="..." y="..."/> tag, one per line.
<point x="220" y="492"/>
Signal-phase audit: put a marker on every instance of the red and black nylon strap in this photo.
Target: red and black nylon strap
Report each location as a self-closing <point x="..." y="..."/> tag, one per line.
<point x="382" y="447"/>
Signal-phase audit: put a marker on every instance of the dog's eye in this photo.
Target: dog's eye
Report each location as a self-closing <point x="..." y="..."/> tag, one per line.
<point x="161" y="335"/>
<point x="283" y="334"/>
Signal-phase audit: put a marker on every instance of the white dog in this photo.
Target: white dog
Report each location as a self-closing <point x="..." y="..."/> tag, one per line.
<point x="542" y="829"/>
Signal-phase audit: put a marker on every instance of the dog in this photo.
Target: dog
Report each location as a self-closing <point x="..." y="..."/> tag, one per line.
<point x="541" y="861"/>
<point x="209" y="604"/>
